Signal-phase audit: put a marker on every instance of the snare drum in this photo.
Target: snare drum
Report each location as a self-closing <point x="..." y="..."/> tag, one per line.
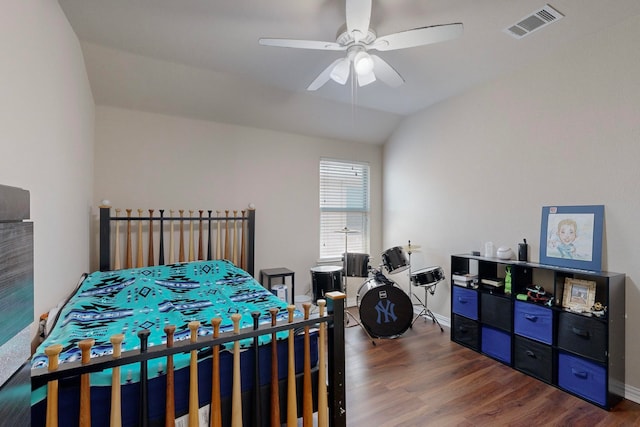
<point x="325" y="278"/>
<point x="427" y="276"/>
<point x="385" y="309"/>
<point x="395" y="260"/>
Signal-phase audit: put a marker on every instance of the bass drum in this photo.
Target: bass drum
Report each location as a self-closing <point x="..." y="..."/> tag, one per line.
<point x="385" y="309"/>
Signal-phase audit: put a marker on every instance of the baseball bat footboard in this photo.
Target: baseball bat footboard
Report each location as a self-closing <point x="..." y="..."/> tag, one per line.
<point x="170" y="403"/>
<point x="233" y="400"/>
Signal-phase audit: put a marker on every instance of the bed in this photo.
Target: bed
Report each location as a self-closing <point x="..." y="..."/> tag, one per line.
<point x="145" y="330"/>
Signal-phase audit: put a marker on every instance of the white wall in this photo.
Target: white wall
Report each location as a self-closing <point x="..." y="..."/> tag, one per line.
<point x="479" y="167"/>
<point x="46" y="138"/>
<point x="147" y="160"/>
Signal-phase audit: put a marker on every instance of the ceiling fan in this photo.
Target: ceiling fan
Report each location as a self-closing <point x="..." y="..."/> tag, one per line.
<point x="357" y="39"/>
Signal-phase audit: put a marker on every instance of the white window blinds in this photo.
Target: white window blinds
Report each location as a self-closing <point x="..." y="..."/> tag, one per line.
<point x="344" y="203"/>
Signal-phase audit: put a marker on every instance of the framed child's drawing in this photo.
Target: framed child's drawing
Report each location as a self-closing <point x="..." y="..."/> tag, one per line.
<point x="571" y="236"/>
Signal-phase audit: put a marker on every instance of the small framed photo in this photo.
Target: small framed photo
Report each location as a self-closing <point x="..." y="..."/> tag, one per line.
<point x="571" y="236"/>
<point x="579" y="295"/>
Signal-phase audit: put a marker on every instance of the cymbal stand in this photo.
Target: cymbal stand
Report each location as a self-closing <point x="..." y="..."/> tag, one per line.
<point x="345" y="284"/>
<point x="409" y="252"/>
<point x="428" y="289"/>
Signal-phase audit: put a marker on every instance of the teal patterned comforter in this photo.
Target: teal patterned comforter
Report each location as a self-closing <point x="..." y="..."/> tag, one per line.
<point x="127" y="301"/>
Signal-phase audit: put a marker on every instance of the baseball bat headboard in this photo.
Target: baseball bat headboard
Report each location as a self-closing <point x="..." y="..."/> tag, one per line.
<point x="237" y="228"/>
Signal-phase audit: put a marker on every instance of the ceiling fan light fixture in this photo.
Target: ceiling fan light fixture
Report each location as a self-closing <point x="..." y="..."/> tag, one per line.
<point x="362" y="63"/>
<point x="367" y="78"/>
<point x="356" y="38"/>
<point x="340" y="73"/>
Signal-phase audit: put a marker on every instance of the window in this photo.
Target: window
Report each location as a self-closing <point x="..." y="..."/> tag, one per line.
<point x="344" y="203"/>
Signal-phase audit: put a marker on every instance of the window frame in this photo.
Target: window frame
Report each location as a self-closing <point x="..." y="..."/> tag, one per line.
<point x="350" y="201"/>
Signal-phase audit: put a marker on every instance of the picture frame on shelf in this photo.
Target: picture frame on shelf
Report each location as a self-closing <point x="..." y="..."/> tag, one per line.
<point x="579" y="295"/>
<point x="571" y="236"/>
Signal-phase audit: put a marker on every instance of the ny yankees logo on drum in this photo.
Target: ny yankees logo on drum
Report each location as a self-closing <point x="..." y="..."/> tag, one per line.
<point x="386" y="308"/>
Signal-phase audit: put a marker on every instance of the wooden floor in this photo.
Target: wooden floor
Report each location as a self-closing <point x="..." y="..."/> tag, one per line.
<point x="423" y="379"/>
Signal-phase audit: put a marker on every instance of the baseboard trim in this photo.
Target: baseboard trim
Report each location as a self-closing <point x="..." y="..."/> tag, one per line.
<point x="444" y="321"/>
<point x="632" y="393"/>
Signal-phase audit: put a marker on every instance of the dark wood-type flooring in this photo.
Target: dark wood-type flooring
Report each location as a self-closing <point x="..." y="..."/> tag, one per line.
<point x="423" y="379"/>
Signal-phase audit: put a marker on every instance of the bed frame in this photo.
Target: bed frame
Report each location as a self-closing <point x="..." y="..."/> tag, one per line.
<point x="234" y="237"/>
<point x="250" y="404"/>
<point x="319" y="389"/>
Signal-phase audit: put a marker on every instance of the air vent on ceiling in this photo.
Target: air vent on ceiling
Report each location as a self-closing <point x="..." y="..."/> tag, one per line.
<point x="533" y="22"/>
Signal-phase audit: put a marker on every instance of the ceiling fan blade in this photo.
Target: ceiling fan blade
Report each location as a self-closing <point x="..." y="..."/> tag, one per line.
<point x="366" y="78"/>
<point x="340" y="73"/>
<point x="417" y="37"/>
<point x="301" y="44"/>
<point x="324" y="76"/>
<point x="358" y="16"/>
<point x="386" y="72"/>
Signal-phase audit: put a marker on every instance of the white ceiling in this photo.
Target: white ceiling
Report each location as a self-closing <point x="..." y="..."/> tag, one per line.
<point x="201" y="58"/>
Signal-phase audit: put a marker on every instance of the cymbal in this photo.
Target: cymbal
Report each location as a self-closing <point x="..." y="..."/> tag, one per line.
<point x="412" y="248"/>
<point x="347" y="231"/>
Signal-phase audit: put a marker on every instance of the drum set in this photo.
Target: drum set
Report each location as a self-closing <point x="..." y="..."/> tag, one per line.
<point x="385" y="309"/>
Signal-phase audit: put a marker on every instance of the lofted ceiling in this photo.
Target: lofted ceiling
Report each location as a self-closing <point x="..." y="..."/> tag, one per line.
<point x="201" y="58"/>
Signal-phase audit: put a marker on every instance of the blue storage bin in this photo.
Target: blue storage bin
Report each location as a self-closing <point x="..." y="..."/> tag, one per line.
<point x="533" y="321"/>
<point x="465" y="302"/>
<point x="582" y="377"/>
<point x="496" y="343"/>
